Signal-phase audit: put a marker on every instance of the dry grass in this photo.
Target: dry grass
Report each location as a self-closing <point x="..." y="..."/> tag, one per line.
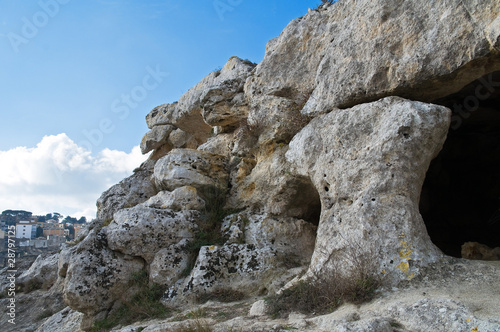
<point x="323" y="294"/>
<point x="225" y="295"/>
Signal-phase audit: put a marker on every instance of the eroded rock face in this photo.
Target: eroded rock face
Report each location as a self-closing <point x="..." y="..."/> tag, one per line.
<point x="183" y="198"/>
<point x="129" y="192"/>
<point x="220" y="92"/>
<point x="185" y="167"/>
<point x="43" y="271"/>
<point x="315" y="147"/>
<point x="372" y="49"/>
<point x="155" y="138"/>
<point x="260" y="254"/>
<point x="142" y="231"/>
<point x="269" y="186"/>
<point x="170" y="263"/>
<point x="368" y="164"/>
<point x="97" y="276"/>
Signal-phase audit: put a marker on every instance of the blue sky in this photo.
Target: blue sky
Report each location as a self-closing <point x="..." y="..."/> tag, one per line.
<point x="79" y="77"/>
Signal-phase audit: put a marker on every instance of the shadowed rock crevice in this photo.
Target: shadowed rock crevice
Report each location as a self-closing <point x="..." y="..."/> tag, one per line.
<point x="461" y="194"/>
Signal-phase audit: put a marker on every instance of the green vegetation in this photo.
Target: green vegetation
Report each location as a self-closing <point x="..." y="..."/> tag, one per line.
<point x="209" y="227"/>
<point x="221" y="295"/>
<point x="145" y="304"/>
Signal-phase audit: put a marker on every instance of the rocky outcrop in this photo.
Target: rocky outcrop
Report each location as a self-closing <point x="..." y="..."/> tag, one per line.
<point x="97" y="277"/>
<point x="360" y="51"/>
<point x="218" y="100"/>
<point x="183" y="167"/>
<point x="43" y="272"/>
<point x="262" y="175"/>
<point x="129" y="192"/>
<point x="368" y="164"/>
<point x="141" y="231"/>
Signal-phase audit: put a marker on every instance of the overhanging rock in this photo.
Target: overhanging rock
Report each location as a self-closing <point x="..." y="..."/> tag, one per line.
<point x="368" y="164"/>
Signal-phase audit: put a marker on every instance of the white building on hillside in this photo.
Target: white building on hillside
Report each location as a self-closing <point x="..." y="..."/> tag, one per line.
<point x="26" y="230"/>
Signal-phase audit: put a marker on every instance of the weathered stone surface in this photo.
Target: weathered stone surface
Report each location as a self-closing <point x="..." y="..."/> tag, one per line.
<point x="180" y="139"/>
<point x="186" y="114"/>
<point x="238" y="266"/>
<point x="259" y="308"/>
<point x="65" y="259"/>
<point x="275" y="118"/>
<point x="379" y="48"/>
<point x="292" y="239"/>
<point x="220" y="144"/>
<point x="170" y="263"/>
<point x="143" y="231"/>
<point x="129" y="192"/>
<point x="183" y="198"/>
<point x="185" y="167"/>
<point x="97" y="277"/>
<point x="155" y="138"/>
<point x="368" y="164"/>
<point x="270" y="187"/>
<point x="224" y="103"/>
<point x="63" y="321"/>
<point x="42" y="272"/>
<point x="474" y="250"/>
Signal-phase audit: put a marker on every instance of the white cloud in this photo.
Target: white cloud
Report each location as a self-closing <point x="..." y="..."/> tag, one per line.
<point x="59" y="176"/>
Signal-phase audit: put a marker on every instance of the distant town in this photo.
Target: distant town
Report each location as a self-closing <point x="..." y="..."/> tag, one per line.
<point x="34" y="234"/>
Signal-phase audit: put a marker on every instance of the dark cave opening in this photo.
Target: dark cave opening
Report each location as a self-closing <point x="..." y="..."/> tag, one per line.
<point x="304" y="201"/>
<point x="460" y="200"/>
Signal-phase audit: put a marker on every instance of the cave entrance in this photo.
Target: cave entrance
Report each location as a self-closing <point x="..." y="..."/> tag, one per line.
<point x="460" y="198"/>
<point x="304" y="201"/>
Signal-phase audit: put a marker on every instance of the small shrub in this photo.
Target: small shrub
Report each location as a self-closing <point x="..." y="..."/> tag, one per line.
<point x="209" y="228"/>
<point x="324" y="294"/>
<point x="145" y="304"/>
<point x="225" y="295"/>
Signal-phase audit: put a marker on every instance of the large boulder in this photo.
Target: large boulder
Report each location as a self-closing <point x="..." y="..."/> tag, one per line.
<point x="43" y="272"/>
<point x="142" y="231"/>
<point x="259" y="255"/>
<point x="97" y="277"/>
<point x="220" y="91"/>
<point x="186" y="167"/>
<point x="359" y="51"/>
<point x="183" y="198"/>
<point x="155" y="138"/>
<point x="368" y="164"/>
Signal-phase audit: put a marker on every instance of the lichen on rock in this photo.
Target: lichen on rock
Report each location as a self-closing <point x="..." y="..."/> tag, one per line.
<point x="320" y="153"/>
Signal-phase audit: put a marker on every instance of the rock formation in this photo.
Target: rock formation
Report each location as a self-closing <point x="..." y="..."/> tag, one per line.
<point x="317" y="153"/>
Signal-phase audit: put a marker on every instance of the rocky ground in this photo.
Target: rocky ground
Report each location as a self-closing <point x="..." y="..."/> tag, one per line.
<point x="314" y="161"/>
<point x="454" y="295"/>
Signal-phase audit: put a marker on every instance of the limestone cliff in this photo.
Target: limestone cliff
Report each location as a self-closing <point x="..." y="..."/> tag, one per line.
<point x="264" y="174"/>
